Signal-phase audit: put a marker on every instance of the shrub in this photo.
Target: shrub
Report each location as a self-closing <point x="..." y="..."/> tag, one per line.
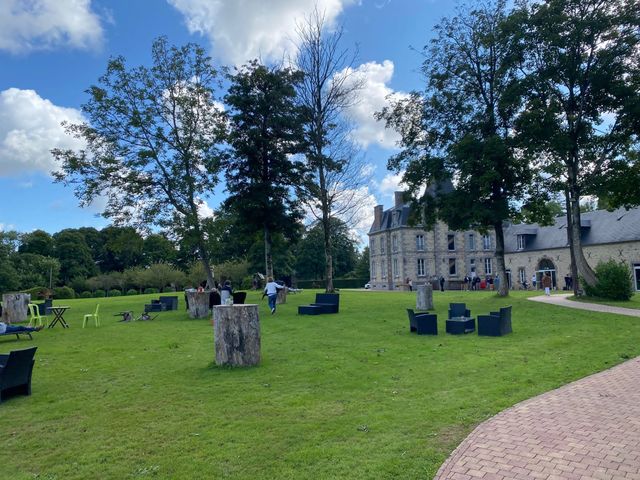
<point x="99" y="293"/>
<point x="63" y="292"/>
<point x="613" y="281"/>
<point x="151" y="290"/>
<point x="39" y="293"/>
<point x="132" y="291"/>
<point x="115" y="292"/>
<point x="86" y="294"/>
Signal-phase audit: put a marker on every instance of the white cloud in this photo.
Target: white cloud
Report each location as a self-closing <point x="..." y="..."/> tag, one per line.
<point x="372" y="99"/>
<point x="29" y="129"/>
<point x="241" y="30"/>
<point x="391" y="183"/>
<point x="204" y="210"/>
<point x="27" y="25"/>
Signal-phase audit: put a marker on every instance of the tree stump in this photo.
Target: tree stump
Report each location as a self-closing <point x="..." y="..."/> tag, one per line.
<point x="424" y="297"/>
<point x="198" y="303"/>
<point x="237" y="335"/>
<point x="282" y="296"/>
<point x="14" y="307"/>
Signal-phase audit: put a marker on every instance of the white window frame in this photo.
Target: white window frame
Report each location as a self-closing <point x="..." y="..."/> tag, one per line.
<point x="422" y="272"/>
<point x="420" y="243"/>
<point x="394" y="243"/>
<point x="396" y="270"/>
<point x="373" y="269"/>
<point x="372" y="245"/>
<point x="383" y="270"/>
<point x="521" y="241"/>
<point x="486" y="242"/>
<point x="522" y="275"/>
<point x="488" y="266"/>
<point x="472" y="241"/>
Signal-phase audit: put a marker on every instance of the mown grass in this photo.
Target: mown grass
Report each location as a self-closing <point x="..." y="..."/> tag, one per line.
<point x="352" y="395"/>
<point x="634" y="302"/>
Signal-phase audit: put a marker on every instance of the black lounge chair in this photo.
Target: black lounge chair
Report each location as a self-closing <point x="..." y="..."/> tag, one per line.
<point x="423" y="323"/>
<point x="459" y="310"/>
<point x="214" y="299"/>
<point x="239" y="297"/>
<point x="170" y="302"/>
<point x="15" y="372"/>
<point x="495" y="324"/>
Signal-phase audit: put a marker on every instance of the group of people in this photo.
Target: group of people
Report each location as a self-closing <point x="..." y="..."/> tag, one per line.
<point x="474" y="282"/>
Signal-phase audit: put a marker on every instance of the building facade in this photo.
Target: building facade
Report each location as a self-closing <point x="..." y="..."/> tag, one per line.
<point x="400" y="252"/>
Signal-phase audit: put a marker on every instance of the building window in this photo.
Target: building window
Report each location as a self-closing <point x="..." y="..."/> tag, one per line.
<point x="472" y="265"/>
<point x="522" y="276"/>
<point x="421" y="270"/>
<point x="451" y="241"/>
<point x="394" y="243"/>
<point x="452" y="266"/>
<point x="382" y="249"/>
<point x="487" y="266"/>
<point x="383" y="269"/>
<point x="372" y="246"/>
<point x="486" y="242"/>
<point x="521" y="239"/>
<point x="472" y="241"/>
<point x="396" y="272"/>
<point x="419" y="242"/>
<point x="373" y="269"/>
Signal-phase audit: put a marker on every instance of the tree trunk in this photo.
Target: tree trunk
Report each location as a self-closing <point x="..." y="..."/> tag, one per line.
<point x="572" y="253"/>
<point x="268" y="259"/>
<point x="198" y="303"/>
<point x="328" y="253"/>
<point x="584" y="269"/>
<point x="14" y="307"/>
<point x="500" y="265"/>
<point x="237" y="335"/>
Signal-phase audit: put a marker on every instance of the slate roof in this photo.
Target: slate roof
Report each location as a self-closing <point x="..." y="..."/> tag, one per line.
<point x="599" y="227"/>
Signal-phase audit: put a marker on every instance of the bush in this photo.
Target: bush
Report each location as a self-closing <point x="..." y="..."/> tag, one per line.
<point x="613" y="281"/>
<point x="63" y="292"/>
<point x="99" y="293"/>
<point x="39" y="293"/>
<point x="132" y="291"/>
<point x="151" y="290"/>
<point x="86" y="294"/>
<point x="115" y="292"/>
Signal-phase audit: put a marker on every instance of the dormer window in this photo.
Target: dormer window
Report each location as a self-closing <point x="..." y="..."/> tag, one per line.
<point x="522" y="241"/>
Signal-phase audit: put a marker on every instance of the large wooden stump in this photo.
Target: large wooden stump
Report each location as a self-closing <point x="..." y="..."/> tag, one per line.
<point x="14" y="307"/>
<point x="237" y="335"/>
<point x="424" y="297"/>
<point x="282" y="296"/>
<point x="198" y="303"/>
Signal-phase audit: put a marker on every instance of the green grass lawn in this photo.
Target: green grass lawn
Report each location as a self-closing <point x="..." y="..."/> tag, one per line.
<point x="634" y="302"/>
<point x="352" y="395"/>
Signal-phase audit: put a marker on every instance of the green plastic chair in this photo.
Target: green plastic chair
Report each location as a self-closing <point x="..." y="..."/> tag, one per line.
<point x="36" y="319"/>
<point x="89" y="316"/>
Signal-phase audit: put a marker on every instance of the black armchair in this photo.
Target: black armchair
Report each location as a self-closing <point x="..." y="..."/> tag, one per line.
<point x="459" y="310"/>
<point x="15" y="372"/>
<point x="423" y="323"/>
<point x="239" y="297"/>
<point x="495" y="324"/>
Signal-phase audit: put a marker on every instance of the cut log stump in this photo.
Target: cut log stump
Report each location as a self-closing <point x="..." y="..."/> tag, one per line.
<point x="424" y="297"/>
<point x="237" y="335"/>
<point x="198" y="303"/>
<point x="282" y="296"/>
<point x="14" y="307"/>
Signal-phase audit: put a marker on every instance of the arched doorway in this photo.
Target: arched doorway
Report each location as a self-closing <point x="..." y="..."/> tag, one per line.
<point x="546" y="265"/>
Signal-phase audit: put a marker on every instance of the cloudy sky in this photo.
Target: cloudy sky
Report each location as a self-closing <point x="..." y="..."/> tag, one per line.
<point x="51" y="51"/>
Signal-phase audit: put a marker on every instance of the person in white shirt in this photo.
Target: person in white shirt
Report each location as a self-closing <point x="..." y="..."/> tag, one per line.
<point x="5" y="328"/>
<point x="271" y="291"/>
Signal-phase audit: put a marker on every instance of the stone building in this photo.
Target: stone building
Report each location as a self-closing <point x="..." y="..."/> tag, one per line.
<point x="400" y="252"/>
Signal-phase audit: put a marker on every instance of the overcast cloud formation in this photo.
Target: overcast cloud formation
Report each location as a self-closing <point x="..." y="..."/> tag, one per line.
<point x="29" y="129"/>
<point x="28" y="25"/>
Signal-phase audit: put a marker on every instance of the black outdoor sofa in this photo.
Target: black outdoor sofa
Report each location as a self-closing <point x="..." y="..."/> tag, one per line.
<point x="325" y="303"/>
<point x="16" y="368"/>
<point x="162" y="304"/>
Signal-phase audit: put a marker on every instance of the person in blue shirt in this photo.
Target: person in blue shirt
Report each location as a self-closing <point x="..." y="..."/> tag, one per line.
<point x="6" y="328"/>
<point x="271" y="291"/>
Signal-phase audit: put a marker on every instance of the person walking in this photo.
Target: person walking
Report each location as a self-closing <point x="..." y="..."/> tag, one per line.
<point x="226" y="292"/>
<point x="533" y="281"/>
<point x="410" y="283"/>
<point x="442" y="284"/>
<point x="546" y="283"/>
<point x="271" y="291"/>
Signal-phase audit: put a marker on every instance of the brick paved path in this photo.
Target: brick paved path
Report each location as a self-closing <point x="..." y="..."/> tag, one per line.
<point x="588" y="429"/>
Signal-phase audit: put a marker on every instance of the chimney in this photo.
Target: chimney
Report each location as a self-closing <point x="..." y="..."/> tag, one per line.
<point x="399" y="200"/>
<point x="377" y="216"/>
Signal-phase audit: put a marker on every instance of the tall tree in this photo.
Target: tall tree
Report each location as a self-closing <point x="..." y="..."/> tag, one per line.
<point x="459" y="132"/>
<point x="582" y="114"/>
<point x="152" y="140"/>
<point x="266" y="132"/>
<point x="38" y="242"/>
<point x="70" y="248"/>
<point x="329" y="87"/>
<point x="122" y="248"/>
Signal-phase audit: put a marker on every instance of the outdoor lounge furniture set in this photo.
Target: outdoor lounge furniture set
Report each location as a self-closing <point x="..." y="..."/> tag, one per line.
<point x="162" y="304"/>
<point x="460" y="321"/>
<point x="325" y="303"/>
<point x="16" y="368"/>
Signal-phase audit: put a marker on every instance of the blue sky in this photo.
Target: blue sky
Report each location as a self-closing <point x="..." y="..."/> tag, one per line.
<point x="51" y="51"/>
